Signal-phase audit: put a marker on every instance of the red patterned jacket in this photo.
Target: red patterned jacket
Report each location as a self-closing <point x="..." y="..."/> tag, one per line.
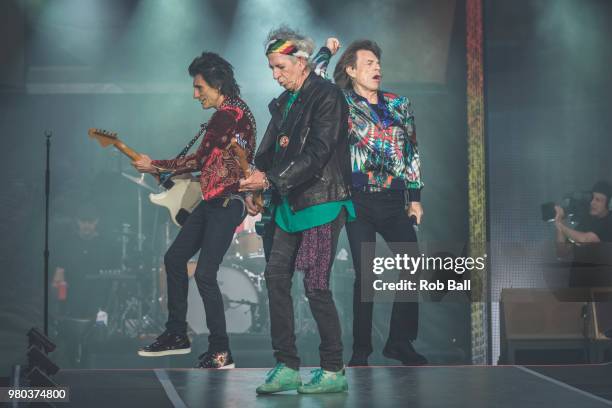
<point x="220" y="171"/>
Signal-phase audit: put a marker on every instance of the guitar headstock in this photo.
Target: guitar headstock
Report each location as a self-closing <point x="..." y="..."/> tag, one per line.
<point x="104" y="137"/>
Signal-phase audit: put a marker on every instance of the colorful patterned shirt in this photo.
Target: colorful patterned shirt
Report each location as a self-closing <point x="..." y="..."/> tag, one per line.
<point x="383" y="145"/>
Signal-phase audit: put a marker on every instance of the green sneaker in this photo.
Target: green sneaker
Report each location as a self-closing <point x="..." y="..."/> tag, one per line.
<point x="325" y="381"/>
<point x="280" y="378"/>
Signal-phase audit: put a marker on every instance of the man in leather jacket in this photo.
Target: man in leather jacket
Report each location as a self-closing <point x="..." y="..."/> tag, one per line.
<point x="304" y="158"/>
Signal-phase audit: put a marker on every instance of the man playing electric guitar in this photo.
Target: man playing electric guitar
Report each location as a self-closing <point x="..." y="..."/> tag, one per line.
<point x="211" y="225"/>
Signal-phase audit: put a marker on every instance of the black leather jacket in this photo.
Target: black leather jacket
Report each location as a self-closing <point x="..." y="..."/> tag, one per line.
<point x="315" y="166"/>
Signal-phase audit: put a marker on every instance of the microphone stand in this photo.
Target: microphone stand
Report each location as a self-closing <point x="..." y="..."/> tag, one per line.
<point x="48" y="134"/>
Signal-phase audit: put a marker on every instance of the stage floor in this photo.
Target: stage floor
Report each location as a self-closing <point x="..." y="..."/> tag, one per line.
<point x="433" y="386"/>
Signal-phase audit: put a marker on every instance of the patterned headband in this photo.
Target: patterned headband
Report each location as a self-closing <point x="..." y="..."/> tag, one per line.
<point x="285" y="47"/>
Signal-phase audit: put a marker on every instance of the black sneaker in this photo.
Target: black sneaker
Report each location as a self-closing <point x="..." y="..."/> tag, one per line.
<point x="405" y="353"/>
<point x="358" y="360"/>
<point x="167" y="344"/>
<point x="219" y="359"/>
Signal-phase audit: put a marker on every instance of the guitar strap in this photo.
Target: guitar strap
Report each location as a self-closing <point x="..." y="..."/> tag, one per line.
<point x="202" y="130"/>
<point x="164" y="177"/>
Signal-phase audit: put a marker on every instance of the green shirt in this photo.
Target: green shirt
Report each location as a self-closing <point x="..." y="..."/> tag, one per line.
<point x="311" y="217"/>
<point x="292" y="97"/>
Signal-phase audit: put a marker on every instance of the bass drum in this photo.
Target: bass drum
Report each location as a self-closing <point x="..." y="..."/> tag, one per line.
<point x="240" y="301"/>
<point x="247" y="252"/>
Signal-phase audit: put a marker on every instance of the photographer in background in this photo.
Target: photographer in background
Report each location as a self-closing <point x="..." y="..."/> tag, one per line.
<point x="588" y="242"/>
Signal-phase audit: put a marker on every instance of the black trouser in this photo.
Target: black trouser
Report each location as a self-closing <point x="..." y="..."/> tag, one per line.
<point x="384" y="213"/>
<point x="209" y="229"/>
<point x="279" y="272"/>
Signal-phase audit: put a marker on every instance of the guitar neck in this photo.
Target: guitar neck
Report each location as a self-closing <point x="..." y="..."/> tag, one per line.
<point x="246" y="169"/>
<point x="242" y="160"/>
<point x="123" y="148"/>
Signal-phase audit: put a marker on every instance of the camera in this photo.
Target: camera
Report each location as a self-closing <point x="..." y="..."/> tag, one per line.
<point x="575" y="205"/>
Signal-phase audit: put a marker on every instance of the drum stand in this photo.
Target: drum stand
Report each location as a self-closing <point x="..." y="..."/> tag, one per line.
<point x="126" y="308"/>
<point x="153" y="321"/>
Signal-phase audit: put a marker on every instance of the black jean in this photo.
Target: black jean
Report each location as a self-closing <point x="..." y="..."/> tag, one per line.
<point x="279" y="273"/>
<point x="384" y="213"/>
<point x="209" y="229"/>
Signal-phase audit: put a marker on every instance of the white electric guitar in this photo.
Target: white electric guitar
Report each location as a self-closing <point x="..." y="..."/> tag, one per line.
<point x="181" y="198"/>
<point x="180" y="194"/>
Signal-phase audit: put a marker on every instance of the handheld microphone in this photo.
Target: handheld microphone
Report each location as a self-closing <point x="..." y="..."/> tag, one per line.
<point x="415" y="226"/>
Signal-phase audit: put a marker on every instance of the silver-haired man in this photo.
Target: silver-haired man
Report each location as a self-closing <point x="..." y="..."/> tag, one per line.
<point x="304" y="159"/>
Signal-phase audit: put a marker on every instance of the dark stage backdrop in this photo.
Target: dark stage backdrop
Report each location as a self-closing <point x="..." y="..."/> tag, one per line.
<point x="549" y="129"/>
<point x="122" y="65"/>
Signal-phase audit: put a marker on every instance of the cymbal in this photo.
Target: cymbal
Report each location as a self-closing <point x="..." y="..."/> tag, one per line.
<point x="139" y="181"/>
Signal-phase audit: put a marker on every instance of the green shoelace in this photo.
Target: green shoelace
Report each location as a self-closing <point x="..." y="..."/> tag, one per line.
<point x="317" y="375"/>
<point x="271" y="375"/>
